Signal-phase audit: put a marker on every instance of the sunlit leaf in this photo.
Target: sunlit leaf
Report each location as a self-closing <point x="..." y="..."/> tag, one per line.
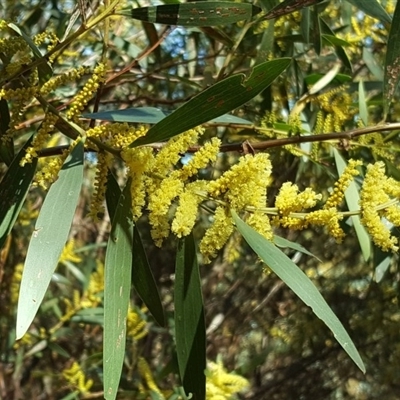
<point x="152" y="115"/>
<point x="117" y="287"/>
<point x="392" y="60"/>
<point x="298" y="281"/>
<point x="202" y="13"/>
<point x="49" y="237"/>
<point x="142" y="276"/>
<point x="217" y="100"/>
<point x="13" y="190"/>
<point x="189" y="320"/>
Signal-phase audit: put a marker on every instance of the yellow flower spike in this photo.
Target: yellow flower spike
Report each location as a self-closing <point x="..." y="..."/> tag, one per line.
<point x="15" y="282"/>
<point x="220" y="384"/>
<point x="245" y="183"/>
<point x="186" y="213"/>
<point x="172" y="152"/>
<point x="121" y="135"/>
<point x="329" y="218"/>
<point x="77" y="379"/>
<point x="208" y="153"/>
<point x="261" y="223"/>
<point x="160" y="228"/>
<point x="372" y="196"/>
<point x="100" y="184"/>
<point x="138" y="161"/>
<point x="68" y="253"/>
<point x="145" y="373"/>
<point x="136" y="327"/>
<point x="343" y="183"/>
<point x="42" y="136"/>
<point x="95" y="286"/>
<point x="49" y="171"/>
<point x="87" y="92"/>
<point x="217" y="235"/>
<point x="60" y="80"/>
<point x="289" y="200"/>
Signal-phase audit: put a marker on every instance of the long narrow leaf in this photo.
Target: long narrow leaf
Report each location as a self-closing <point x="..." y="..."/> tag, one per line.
<point x="117" y="286"/>
<point x="49" y="237"/>
<point x="142" y="276"/>
<point x="144" y="282"/>
<point x="392" y="61"/>
<point x="13" y="190"/>
<point x="152" y="115"/>
<point x="190" y="330"/>
<point x="298" y="281"/>
<point x="202" y="13"/>
<point x="217" y="100"/>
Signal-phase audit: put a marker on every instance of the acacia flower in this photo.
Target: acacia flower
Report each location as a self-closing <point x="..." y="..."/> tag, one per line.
<point x="220" y="384"/>
<point x="343" y="183"/>
<point x="245" y="183"/>
<point x="329" y="218"/>
<point x="207" y="153"/>
<point x="135" y="326"/>
<point x="159" y="203"/>
<point x="172" y="152"/>
<point x="76" y="378"/>
<point x="100" y="185"/>
<point x="217" y="235"/>
<point x="186" y="213"/>
<point x="87" y="92"/>
<point x="138" y="161"/>
<point x="289" y="200"/>
<point x="373" y="195"/>
<point x="145" y="373"/>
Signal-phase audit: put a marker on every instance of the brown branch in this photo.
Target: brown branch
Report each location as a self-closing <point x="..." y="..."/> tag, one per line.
<point x="266" y="144"/>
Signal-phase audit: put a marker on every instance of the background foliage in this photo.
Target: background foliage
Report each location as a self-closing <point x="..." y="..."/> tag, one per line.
<point x="255" y="324"/>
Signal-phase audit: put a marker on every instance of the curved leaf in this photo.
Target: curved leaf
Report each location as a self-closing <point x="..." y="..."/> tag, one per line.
<point x="202" y="13"/>
<point x="298" y="281"/>
<point x="13" y="190"/>
<point x="49" y="237"/>
<point x="190" y="330"/>
<point x="117" y="287"/>
<point x="217" y="100"/>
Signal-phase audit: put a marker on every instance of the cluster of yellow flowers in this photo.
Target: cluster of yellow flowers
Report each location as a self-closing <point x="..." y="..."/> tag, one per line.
<point x="173" y="198"/>
<point x="220" y="384"/>
<point x="77" y="379"/>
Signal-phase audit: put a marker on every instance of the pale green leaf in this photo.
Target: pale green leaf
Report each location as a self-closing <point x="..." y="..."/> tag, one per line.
<point x="49" y="237"/>
<point x="117" y="287"/>
<point x="298" y="281"/>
